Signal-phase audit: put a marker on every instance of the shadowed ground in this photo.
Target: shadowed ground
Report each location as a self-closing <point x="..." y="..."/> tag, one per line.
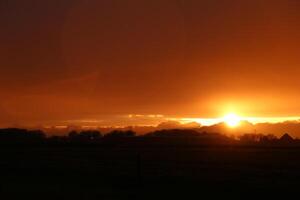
<point x="82" y="172"/>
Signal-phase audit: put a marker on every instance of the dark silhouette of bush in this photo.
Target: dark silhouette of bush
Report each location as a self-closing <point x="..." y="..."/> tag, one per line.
<point x="252" y="138"/>
<point x="187" y="137"/>
<point x="174" y="133"/>
<point x="85" y="136"/>
<point x="73" y="134"/>
<point x="270" y="138"/>
<point x="120" y="134"/>
<point x="14" y="135"/>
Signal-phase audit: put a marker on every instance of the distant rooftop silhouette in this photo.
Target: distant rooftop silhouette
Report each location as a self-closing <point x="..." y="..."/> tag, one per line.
<point x="286" y="138"/>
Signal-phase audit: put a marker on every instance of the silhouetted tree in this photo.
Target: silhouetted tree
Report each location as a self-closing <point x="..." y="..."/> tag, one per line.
<point x="73" y="134"/>
<point x="84" y="136"/>
<point x="251" y="138"/>
<point x="174" y="133"/>
<point x="120" y="134"/>
<point x="14" y="135"/>
<point x="37" y="134"/>
<point x="268" y="138"/>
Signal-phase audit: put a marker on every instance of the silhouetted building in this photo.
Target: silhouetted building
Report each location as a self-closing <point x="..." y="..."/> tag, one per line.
<point x="286" y="138"/>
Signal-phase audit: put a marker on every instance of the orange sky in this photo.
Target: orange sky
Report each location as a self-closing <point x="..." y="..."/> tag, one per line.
<point x="72" y="60"/>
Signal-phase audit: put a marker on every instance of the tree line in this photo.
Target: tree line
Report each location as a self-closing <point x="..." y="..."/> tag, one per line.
<point x="15" y="136"/>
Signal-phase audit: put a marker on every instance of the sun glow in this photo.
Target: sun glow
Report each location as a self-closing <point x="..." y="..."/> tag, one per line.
<point x="232" y="120"/>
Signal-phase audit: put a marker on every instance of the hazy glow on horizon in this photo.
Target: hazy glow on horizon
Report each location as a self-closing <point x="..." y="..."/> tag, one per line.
<point x="253" y="120"/>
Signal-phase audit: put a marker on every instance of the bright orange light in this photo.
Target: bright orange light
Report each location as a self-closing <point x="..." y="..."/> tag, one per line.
<point x="232" y="120"/>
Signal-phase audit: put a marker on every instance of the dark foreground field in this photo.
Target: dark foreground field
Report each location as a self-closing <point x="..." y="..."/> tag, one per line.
<point x="111" y="172"/>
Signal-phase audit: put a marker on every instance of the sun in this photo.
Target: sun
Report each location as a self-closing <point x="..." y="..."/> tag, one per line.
<point x="232" y="120"/>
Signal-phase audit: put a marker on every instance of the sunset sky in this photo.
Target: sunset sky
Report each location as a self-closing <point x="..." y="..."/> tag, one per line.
<point x="114" y="62"/>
